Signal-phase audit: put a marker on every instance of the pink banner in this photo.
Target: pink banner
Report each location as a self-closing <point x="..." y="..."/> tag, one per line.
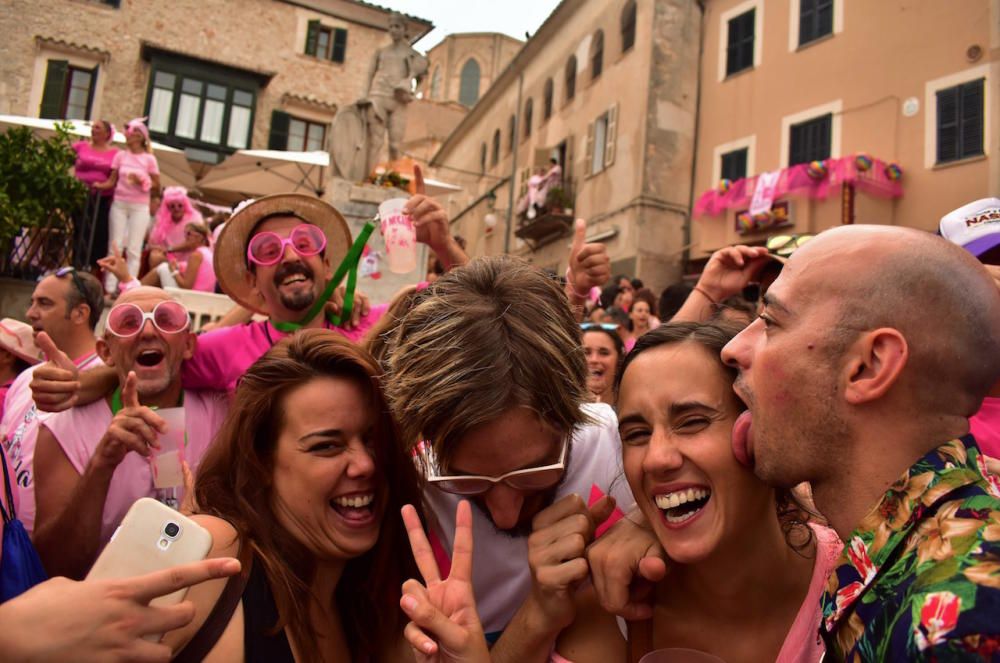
<point x="869" y="175"/>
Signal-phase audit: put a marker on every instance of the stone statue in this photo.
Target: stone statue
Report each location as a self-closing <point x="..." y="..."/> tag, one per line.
<point x="359" y="130"/>
<point x="390" y="90"/>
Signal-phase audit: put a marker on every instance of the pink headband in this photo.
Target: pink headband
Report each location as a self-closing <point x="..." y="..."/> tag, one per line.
<point x="137" y="124"/>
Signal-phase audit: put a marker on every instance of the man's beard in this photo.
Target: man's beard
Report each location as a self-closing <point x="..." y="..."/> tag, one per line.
<point x="299" y="301"/>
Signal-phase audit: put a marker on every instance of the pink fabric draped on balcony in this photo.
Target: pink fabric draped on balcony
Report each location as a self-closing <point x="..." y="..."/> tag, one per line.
<point x="796" y="179"/>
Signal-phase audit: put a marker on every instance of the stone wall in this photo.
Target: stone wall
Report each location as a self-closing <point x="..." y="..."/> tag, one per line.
<point x="260" y="35"/>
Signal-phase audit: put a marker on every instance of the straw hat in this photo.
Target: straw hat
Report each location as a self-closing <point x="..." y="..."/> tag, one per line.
<point x="18" y="338"/>
<point x="230" y="260"/>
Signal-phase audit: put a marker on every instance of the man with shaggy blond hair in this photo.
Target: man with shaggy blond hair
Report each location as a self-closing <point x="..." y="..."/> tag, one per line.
<point x="487" y="370"/>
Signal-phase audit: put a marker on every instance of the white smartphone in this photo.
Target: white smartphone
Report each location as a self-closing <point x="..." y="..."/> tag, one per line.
<point x="152" y="537"/>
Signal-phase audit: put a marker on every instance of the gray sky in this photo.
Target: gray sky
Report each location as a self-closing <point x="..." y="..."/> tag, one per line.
<point x="511" y="17"/>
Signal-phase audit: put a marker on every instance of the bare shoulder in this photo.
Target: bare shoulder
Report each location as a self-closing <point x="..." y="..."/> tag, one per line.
<point x="225" y="543"/>
<point x="593" y="637"/>
<point x="225" y="538"/>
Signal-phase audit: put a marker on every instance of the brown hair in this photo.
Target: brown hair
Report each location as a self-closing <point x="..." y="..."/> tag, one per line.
<point x="235" y="483"/>
<point x="377" y="338"/>
<point x="486" y="337"/>
<point x="645" y="295"/>
<point x="714" y="336"/>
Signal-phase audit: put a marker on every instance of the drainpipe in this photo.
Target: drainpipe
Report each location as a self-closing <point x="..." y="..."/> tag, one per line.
<point x="694" y="159"/>
<point x="513" y="167"/>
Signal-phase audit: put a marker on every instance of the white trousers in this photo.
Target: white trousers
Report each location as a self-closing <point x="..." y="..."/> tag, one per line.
<point x="167" y="279"/>
<point x="127" y="225"/>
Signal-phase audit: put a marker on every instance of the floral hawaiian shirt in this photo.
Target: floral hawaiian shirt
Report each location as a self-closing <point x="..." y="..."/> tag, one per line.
<point x="919" y="579"/>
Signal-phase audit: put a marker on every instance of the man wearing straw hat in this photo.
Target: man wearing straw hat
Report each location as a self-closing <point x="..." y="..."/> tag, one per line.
<point x="282" y="256"/>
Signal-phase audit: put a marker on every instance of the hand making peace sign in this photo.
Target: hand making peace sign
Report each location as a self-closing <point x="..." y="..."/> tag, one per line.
<point x="445" y="626"/>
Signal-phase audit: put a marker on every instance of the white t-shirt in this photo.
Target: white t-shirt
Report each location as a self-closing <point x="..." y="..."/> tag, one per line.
<point x="500" y="574"/>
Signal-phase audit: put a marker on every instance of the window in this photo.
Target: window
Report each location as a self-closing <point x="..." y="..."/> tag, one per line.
<point x="597" y="55"/>
<point x="436" y="83"/>
<point x="734" y="164"/>
<point x="200" y="107"/>
<point x="547" y="100"/>
<point x="295" y="134"/>
<point x="306" y="136"/>
<point x="510" y="134"/>
<point x="68" y="92"/>
<point x="601" y="141"/>
<point x="628" y="25"/>
<point x="326" y="43"/>
<point x="815" y="20"/>
<point x="739" y="45"/>
<point x="810" y="140"/>
<point x="496" y="148"/>
<point x="570" y="78"/>
<point x="468" y="88"/>
<point x="960" y="121"/>
<point x="529" y="108"/>
<point x="482" y="158"/>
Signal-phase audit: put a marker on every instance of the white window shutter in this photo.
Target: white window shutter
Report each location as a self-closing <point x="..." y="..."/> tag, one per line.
<point x="610" y="136"/>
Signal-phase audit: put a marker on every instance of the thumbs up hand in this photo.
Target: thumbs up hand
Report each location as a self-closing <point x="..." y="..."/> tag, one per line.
<point x="55" y="383"/>
<point x="589" y="265"/>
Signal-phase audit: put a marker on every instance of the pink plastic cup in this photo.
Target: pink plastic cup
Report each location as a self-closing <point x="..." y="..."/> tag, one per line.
<point x="400" y="236"/>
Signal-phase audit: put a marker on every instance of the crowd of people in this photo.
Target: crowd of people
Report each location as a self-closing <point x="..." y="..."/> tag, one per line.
<point x="132" y="229"/>
<point x="772" y="463"/>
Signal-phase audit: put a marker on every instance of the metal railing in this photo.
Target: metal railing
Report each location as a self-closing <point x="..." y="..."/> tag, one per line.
<point x="60" y="241"/>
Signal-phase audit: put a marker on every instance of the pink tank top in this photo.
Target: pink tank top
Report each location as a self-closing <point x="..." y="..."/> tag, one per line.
<point x="205" y="279"/>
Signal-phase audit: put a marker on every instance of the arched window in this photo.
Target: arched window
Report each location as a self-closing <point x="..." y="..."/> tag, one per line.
<point x="511" y="137"/>
<point x="482" y="158"/>
<point x="547" y="105"/>
<point x="570" y="78"/>
<point x="468" y="89"/>
<point x="436" y="83"/>
<point x="597" y="55"/>
<point x="628" y="25"/>
<point x="529" y="107"/>
<point x="496" y="148"/>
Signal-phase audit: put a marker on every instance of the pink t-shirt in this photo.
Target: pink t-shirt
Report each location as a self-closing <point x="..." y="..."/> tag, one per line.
<point x="205" y="279"/>
<point x="143" y="166"/>
<point x="19" y="429"/>
<point x="985" y="427"/>
<point x="224" y="355"/>
<point x="79" y="430"/>
<point x="93" y="166"/>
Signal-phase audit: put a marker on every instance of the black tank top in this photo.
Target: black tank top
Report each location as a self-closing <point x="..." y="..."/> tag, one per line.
<point x="260" y="614"/>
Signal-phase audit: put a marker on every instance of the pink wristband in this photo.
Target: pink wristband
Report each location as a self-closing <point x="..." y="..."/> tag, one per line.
<point x="569" y="282"/>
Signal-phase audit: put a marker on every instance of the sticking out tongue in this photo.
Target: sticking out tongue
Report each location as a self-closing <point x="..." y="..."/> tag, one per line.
<point x="743" y="439"/>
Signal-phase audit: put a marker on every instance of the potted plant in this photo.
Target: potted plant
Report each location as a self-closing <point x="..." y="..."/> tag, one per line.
<point x="558" y="200"/>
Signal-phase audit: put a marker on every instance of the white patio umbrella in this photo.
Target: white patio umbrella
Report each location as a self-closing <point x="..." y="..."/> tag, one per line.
<point x="256" y="173"/>
<point x="262" y="172"/>
<point x="174" y="167"/>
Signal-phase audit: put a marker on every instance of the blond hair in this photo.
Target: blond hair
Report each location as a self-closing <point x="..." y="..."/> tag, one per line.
<point x="484" y="338"/>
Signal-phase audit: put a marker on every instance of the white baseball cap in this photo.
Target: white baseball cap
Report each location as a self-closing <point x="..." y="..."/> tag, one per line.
<point x="975" y="227"/>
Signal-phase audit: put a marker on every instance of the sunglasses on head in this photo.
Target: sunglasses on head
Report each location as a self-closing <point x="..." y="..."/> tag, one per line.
<point x="63" y="271"/>
<point x="528" y="479"/>
<point x="266" y="248"/>
<point x="606" y="326"/>
<point x="127" y="320"/>
<point x="785" y="245"/>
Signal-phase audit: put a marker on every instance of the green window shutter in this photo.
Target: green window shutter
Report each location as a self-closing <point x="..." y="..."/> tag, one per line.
<point x="278" y="140"/>
<point x="55" y="90"/>
<point x="339" y="50"/>
<point x="312" y="35"/>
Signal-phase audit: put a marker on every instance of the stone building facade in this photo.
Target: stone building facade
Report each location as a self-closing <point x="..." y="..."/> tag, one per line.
<point x="789" y="80"/>
<point x="607" y="89"/>
<point x="463" y="66"/>
<point x="213" y="75"/>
